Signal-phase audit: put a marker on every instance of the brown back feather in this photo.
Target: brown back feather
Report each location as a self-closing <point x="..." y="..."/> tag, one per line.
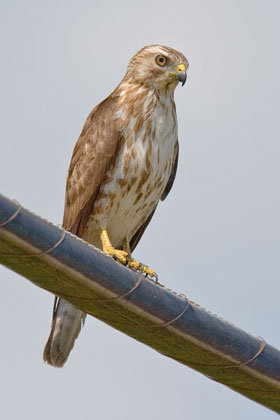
<point x="171" y="180"/>
<point x="93" y="154"/>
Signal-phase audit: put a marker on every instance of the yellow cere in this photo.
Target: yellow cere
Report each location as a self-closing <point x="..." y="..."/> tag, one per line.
<point x="181" y="67"/>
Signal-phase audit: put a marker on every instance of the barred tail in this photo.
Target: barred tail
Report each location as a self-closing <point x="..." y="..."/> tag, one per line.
<point x="66" y="325"/>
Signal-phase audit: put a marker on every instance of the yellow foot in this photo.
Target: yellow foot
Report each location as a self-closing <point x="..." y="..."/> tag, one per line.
<point x="108" y="248"/>
<point x="124" y="257"/>
<point x="136" y="265"/>
<point x="140" y="267"/>
<point x="117" y="254"/>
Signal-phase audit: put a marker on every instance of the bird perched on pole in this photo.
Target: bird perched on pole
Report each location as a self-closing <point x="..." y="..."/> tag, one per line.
<point x="123" y="164"/>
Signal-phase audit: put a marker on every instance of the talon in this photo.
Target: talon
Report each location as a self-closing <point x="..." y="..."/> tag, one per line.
<point x="156" y="277"/>
<point x="117" y="254"/>
<point x="142" y="268"/>
<point x="124" y="257"/>
<point x="134" y="264"/>
<point x="108" y="248"/>
<point x="137" y="265"/>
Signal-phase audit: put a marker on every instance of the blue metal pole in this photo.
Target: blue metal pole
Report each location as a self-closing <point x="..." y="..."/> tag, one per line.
<point x="166" y="321"/>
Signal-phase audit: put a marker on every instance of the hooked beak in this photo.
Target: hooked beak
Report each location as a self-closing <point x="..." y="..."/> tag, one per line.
<point x="181" y="74"/>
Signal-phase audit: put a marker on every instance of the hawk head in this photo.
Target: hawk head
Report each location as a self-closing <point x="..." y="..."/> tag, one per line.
<point x="159" y="67"/>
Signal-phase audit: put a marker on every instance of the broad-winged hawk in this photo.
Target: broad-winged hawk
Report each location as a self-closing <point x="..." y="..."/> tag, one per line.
<point x="123" y="164"/>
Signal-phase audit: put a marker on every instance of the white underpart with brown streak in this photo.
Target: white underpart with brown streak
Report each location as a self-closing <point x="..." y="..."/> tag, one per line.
<point x="136" y="181"/>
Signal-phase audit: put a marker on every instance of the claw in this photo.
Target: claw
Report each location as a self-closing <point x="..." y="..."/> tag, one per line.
<point x="156" y="277"/>
<point x="140" y="267"/>
<point x="108" y="248"/>
<point x="117" y="254"/>
<point x="124" y="257"/>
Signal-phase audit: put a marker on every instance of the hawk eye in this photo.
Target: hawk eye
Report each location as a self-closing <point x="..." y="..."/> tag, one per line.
<point x="161" y="60"/>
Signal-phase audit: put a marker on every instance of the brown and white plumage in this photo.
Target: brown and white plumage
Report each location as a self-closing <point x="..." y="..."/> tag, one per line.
<point x="123" y="164"/>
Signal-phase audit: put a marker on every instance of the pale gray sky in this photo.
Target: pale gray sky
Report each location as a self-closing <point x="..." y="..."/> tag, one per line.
<point x="58" y="59"/>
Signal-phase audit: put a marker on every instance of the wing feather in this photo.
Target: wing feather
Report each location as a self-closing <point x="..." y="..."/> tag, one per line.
<point x="138" y="235"/>
<point x="93" y="154"/>
<point x="172" y="177"/>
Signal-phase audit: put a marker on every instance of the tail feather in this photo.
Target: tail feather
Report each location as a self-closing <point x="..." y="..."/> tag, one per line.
<point x="66" y="325"/>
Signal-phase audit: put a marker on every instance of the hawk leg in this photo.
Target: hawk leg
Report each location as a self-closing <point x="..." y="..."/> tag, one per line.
<point x="123" y="256"/>
<point x="136" y="264"/>
<point x="108" y="248"/>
